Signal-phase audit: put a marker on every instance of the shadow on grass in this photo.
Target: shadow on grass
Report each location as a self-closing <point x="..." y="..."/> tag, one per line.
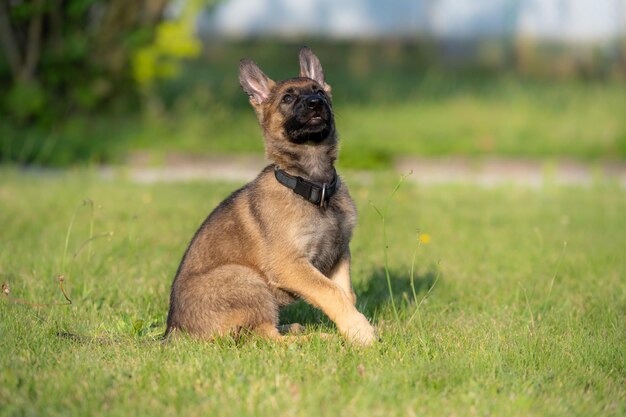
<point x="373" y="294"/>
<point x="373" y="298"/>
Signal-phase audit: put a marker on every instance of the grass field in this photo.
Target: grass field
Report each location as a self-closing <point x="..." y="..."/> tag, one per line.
<point x="521" y="299"/>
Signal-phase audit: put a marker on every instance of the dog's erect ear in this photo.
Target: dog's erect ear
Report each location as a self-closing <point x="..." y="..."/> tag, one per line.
<point x="256" y="84"/>
<point x="310" y="67"/>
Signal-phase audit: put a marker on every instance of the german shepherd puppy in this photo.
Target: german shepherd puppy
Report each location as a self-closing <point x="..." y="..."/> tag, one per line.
<point x="283" y="236"/>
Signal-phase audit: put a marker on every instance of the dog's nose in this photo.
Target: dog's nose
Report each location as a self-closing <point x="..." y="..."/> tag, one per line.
<point x="313" y="102"/>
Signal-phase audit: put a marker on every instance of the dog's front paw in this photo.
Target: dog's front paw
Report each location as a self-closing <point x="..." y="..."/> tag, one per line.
<point x="359" y="331"/>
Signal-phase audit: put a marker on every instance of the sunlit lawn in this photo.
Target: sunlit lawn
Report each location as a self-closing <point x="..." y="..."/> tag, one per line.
<point x="521" y="295"/>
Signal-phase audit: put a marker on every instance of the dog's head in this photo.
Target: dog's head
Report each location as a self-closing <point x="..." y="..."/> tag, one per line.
<point x="292" y="112"/>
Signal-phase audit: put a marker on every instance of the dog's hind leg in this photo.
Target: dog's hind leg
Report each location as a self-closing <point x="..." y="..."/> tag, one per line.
<point x="288" y="333"/>
<point x="221" y="302"/>
<point x="292" y="328"/>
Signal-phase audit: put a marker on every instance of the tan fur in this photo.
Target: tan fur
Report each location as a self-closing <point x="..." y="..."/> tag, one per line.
<point x="265" y="246"/>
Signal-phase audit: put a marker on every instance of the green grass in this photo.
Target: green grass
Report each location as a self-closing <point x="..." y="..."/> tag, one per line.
<point x="517" y="323"/>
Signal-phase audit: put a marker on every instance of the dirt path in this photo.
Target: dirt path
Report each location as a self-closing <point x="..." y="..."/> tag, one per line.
<point x="486" y="172"/>
<point x="489" y="172"/>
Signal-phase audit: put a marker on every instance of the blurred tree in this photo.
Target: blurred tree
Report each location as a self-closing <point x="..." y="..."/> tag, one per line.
<point x="68" y="55"/>
<point x="174" y="40"/>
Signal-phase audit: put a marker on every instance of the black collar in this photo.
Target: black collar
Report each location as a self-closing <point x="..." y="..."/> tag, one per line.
<point x="316" y="193"/>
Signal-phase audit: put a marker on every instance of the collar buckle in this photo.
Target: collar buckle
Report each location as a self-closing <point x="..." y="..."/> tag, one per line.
<point x="303" y="188"/>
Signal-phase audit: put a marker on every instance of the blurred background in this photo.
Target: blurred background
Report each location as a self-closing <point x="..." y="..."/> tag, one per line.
<point x="95" y="81"/>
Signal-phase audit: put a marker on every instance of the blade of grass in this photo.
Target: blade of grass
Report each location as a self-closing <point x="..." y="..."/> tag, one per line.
<point x="383" y="217"/>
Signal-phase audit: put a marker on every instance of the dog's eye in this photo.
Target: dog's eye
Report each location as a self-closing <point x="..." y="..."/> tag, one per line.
<point x="288" y="98"/>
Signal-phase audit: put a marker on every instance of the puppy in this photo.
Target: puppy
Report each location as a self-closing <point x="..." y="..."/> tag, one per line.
<point x="283" y="236"/>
